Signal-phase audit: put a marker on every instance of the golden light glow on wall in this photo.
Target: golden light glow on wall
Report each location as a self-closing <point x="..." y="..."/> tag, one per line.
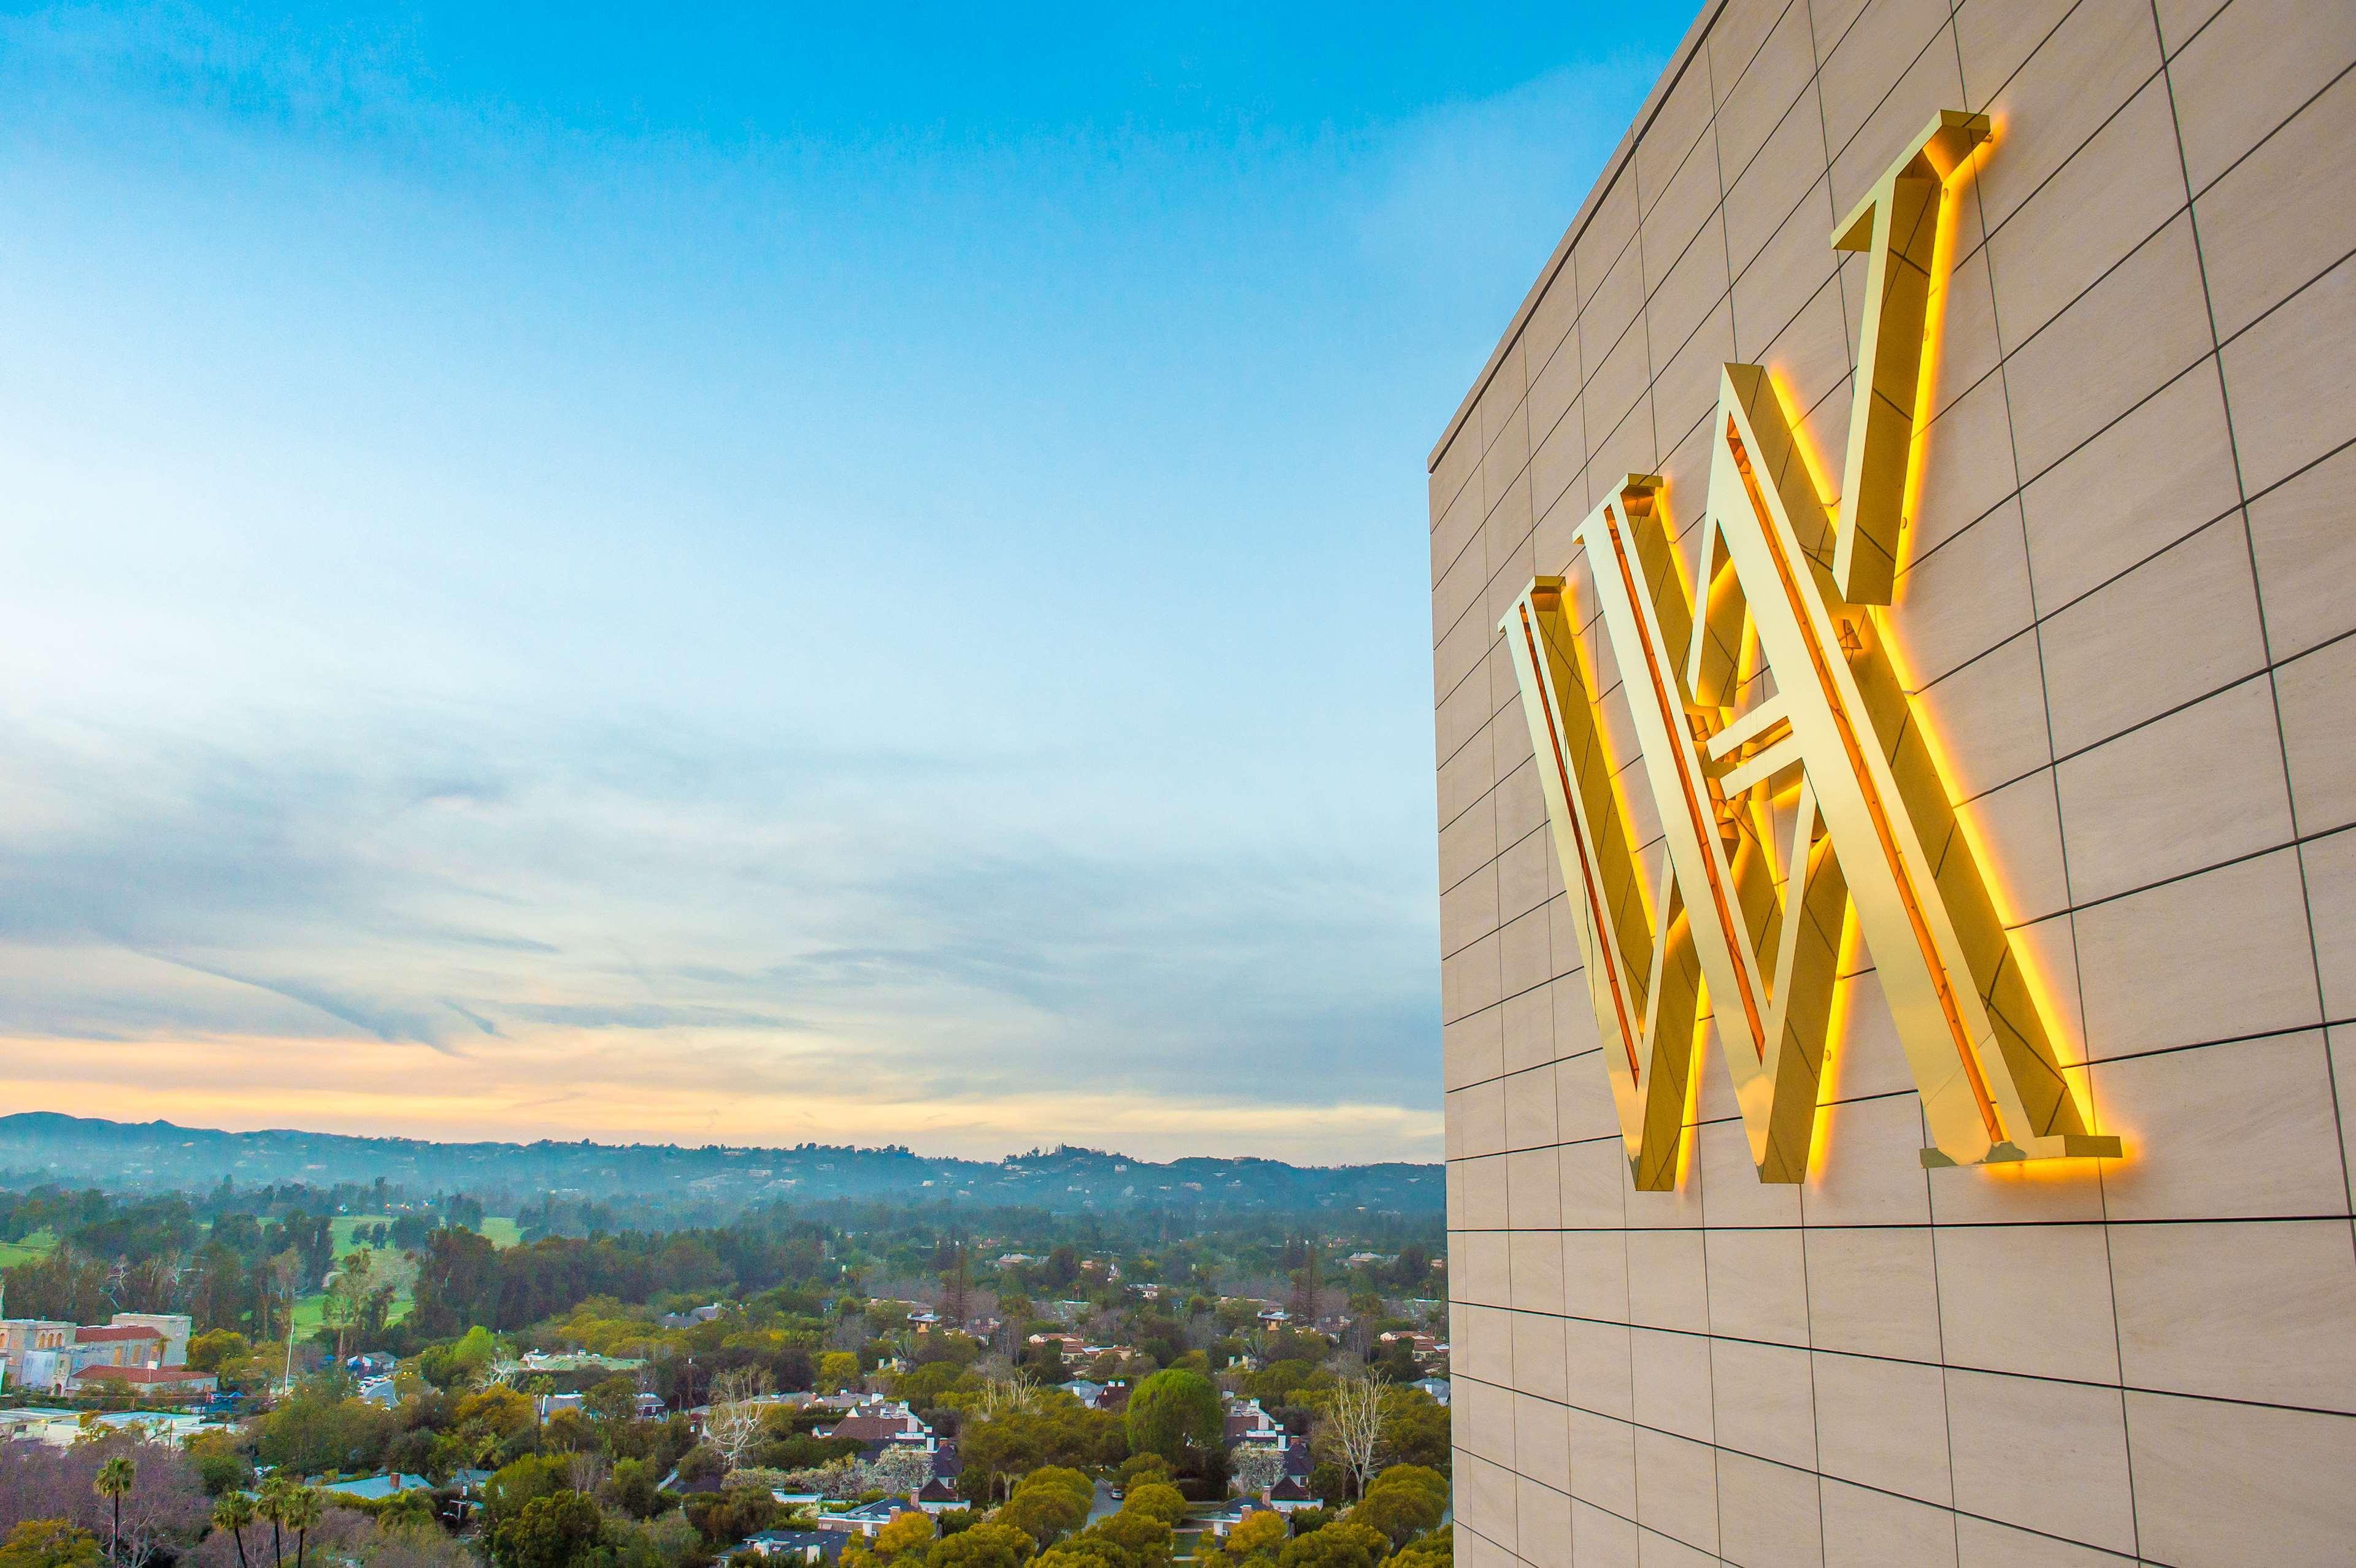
<point x="1797" y="793"/>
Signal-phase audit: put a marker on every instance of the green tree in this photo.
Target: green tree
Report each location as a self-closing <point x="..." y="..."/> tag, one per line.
<point x="986" y="1545"/>
<point x="905" y="1539"/>
<point x="49" y="1543"/>
<point x="1338" y="1545"/>
<point x="1146" y="1538"/>
<point x="518" y="1485"/>
<point x="837" y="1370"/>
<point x="556" y="1531"/>
<point x="1064" y="1478"/>
<point x="1401" y="1513"/>
<point x="1043" y="1514"/>
<point x="1172" y="1412"/>
<point x="302" y="1511"/>
<point x="406" y="1512"/>
<point x="1257" y="1539"/>
<point x="1156" y="1499"/>
<point x="1088" y="1551"/>
<point x="1140" y="1468"/>
<point x="613" y="1400"/>
<point x="1437" y="1549"/>
<point x="209" y="1351"/>
<point x="233" y="1513"/>
<point x="1415" y="1429"/>
<point x="723" y="1519"/>
<point x="114" y="1479"/>
<point x="634" y="1488"/>
<point x="277" y="1492"/>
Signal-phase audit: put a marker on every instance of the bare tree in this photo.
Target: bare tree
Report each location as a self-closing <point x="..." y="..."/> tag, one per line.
<point x="733" y="1423"/>
<point x="286" y="1277"/>
<point x="586" y="1471"/>
<point x="1017" y="1391"/>
<point x="1352" y="1425"/>
<point x="163" y="1502"/>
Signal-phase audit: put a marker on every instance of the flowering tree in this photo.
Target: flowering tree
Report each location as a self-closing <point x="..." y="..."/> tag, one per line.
<point x="163" y="1505"/>
<point x="1253" y="1469"/>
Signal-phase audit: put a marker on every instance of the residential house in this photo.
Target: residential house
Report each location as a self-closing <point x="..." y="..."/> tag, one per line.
<point x="375" y="1489"/>
<point x="1419" y="1345"/>
<point x="576" y="1362"/>
<point x="804" y="1546"/>
<point x="1249" y="1425"/>
<point x="1225" y="1519"/>
<point x="880" y="1424"/>
<point x="867" y="1519"/>
<point x="1436" y="1388"/>
<point x="937" y="1497"/>
<point x="1289" y="1496"/>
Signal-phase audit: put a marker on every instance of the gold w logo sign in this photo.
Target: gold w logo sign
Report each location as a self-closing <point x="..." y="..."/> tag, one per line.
<point x="1791" y="780"/>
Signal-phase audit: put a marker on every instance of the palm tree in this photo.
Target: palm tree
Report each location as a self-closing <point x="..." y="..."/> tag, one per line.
<point x="406" y="1510"/>
<point x="302" y="1511"/>
<point x="278" y="1499"/>
<point x="114" y="1479"/>
<point x="233" y="1513"/>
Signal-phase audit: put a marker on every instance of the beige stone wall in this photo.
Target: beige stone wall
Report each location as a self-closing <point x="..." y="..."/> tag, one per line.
<point x="2126" y="605"/>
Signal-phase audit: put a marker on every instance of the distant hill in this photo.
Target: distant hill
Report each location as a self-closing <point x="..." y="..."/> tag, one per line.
<point x="37" y="1146"/>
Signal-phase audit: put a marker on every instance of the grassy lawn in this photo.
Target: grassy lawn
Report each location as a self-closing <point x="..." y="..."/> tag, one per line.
<point x="311" y="1311"/>
<point x="39" y="1244"/>
<point x="342" y="1226"/>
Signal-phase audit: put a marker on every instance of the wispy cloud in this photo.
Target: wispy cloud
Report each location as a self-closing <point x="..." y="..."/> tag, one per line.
<point x="717" y="917"/>
<point x="733" y="596"/>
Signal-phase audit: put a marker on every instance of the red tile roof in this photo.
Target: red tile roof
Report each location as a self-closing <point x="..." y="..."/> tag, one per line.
<point x="115" y="1334"/>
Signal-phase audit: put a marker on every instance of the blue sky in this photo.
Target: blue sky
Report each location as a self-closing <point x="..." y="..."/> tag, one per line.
<point x="854" y="575"/>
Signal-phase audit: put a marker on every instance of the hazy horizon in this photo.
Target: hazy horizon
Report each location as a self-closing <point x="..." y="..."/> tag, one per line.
<point x="738" y="579"/>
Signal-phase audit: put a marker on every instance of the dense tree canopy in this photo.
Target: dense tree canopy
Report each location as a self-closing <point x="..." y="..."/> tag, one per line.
<point x="1172" y="1412"/>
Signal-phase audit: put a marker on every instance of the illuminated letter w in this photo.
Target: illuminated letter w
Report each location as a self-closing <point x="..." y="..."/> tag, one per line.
<point x="1790" y="781"/>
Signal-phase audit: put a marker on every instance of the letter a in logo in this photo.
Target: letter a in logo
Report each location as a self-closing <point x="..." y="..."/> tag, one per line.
<point x="1791" y="782"/>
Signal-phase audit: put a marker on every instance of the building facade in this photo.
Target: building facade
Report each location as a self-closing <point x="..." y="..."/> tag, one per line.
<point x="1884" y="1293"/>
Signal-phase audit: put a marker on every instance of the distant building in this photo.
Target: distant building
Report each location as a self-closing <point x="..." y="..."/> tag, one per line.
<point x="150" y="1383"/>
<point x="173" y="1328"/>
